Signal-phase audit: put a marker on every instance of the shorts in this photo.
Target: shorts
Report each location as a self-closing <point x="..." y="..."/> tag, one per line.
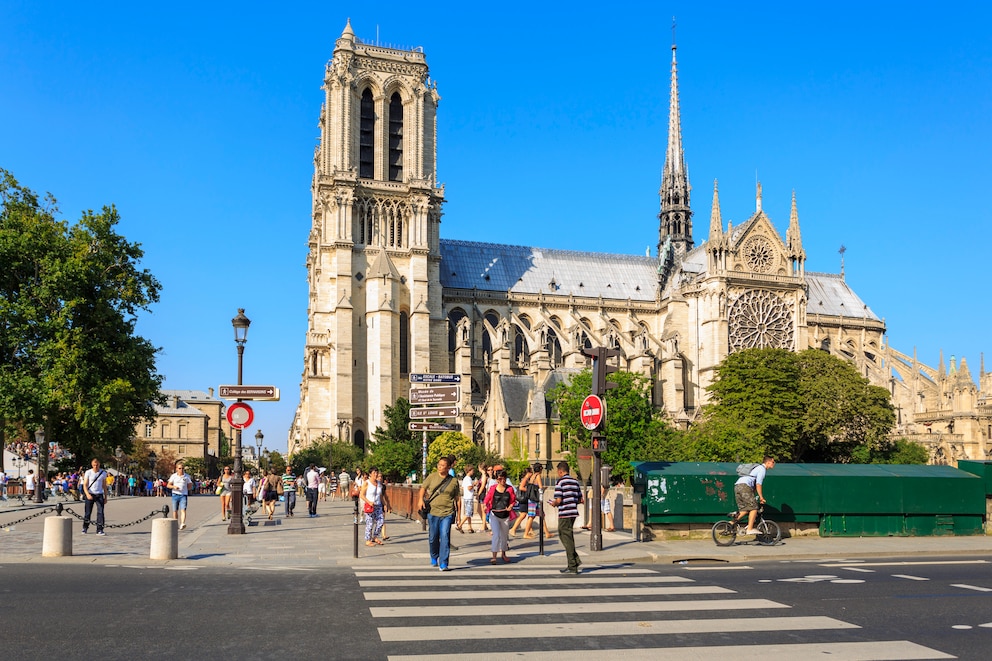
<point x="531" y="509"/>
<point x="178" y="502"/>
<point x="468" y="506"/>
<point x="606" y="506"/>
<point x="746" y="497"/>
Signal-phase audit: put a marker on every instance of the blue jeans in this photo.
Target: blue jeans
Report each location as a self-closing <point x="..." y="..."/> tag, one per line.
<point x="178" y="502"/>
<point x="439" y="537"/>
<point x="290" y="496"/>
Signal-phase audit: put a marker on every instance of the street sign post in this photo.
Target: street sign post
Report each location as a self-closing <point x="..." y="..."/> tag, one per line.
<point x="434" y="426"/>
<point x="592" y="412"/>
<point x="435" y="378"/>
<point x="435" y="395"/>
<point x="434" y="412"/>
<point x="240" y="415"/>
<point x="257" y="393"/>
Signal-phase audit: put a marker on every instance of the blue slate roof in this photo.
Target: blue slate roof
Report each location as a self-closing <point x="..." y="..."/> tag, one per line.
<point x="527" y="270"/>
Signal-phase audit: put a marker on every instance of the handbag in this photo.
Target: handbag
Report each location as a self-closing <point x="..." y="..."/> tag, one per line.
<point x="369" y="508"/>
<point x="354" y="490"/>
<point x="220" y="488"/>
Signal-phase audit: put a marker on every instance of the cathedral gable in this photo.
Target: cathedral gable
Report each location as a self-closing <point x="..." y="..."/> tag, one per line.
<point x="758" y="248"/>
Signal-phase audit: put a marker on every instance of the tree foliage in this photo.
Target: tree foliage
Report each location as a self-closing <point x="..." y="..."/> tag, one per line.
<point x="633" y="430"/>
<point x="69" y="298"/>
<point x="807" y="406"/>
<point x="449" y="443"/>
<point x="395" y="450"/>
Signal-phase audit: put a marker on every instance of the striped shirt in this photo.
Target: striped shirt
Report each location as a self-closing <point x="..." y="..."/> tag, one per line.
<point x="570" y="493"/>
<point x="289" y="482"/>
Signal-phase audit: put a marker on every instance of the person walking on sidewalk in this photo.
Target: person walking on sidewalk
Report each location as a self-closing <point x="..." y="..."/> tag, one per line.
<point x="225" y="492"/>
<point x="180" y="483"/>
<point x="468" y="499"/>
<point x="271" y="484"/>
<point x="568" y="497"/>
<point x="440" y="491"/>
<point x="748" y="493"/>
<point x="373" y="492"/>
<point x="499" y="503"/>
<point x="312" y="489"/>
<point x="95" y="492"/>
<point x="289" y="490"/>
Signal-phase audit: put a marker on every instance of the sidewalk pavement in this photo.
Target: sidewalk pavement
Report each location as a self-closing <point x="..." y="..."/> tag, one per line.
<point x="329" y="539"/>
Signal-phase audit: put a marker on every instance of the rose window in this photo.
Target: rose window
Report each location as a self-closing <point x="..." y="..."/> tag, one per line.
<point x="758" y="320"/>
<point x="759" y="254"/>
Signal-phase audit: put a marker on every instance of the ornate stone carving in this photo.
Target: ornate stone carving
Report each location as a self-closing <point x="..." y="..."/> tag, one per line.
<point x="759" y="319"/>
<point x="759" y="254"/>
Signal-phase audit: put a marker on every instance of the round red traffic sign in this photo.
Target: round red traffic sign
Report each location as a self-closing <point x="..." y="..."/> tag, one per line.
<point x="593" y="412"/>
<point x="240" y="415"/>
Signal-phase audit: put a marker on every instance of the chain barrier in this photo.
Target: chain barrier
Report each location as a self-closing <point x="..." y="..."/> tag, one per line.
<point x="164" y="512"/>
<point x="32" y="516"/>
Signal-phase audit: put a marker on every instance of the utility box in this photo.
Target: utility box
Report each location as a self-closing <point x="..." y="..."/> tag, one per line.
<point x="858" y="500"/>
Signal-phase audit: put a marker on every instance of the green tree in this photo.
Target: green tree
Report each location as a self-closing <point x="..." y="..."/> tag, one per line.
<point x="69" y="297"/>
<point x="195" y="466"/>
<point x="317" y="453"/>
<point x="899" y="451"/>
<point x="633" y="430"/>
<point x="394" y="449"/>
<point x="809" y="406"/>
<point x="274" y="461"/>
<point x="449" y="443"/>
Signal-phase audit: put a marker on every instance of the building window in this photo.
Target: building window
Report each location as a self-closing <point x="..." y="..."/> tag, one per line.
<point x="182" y="450"/>
<point x="148" y="431"/>
<point x="366" y="137"/>
<point x="181" y="431"/>
<point x="165" y="431"/>
<point x="404" y="343"/>
<point x="395" y="138"/>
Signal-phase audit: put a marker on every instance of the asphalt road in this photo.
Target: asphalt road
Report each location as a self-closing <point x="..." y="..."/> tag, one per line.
<point x="875" y="609"/>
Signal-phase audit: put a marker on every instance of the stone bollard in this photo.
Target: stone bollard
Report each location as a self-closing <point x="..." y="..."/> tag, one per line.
<point x="618" y="510"/>
<point x="58" y="537"/>
<point x="165" y="539"/>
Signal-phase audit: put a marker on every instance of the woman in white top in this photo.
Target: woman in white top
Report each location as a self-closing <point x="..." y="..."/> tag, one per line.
<point x="225" y="492"/>
<point x="372" y="498"/>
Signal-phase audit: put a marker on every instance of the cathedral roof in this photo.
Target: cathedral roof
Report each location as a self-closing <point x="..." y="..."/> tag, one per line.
<point x="829" y="294"/>
<point x="516" y="391"/>
<point x="528" y="270"/>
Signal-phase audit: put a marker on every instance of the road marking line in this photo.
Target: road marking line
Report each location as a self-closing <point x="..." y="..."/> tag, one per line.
<point x="730" y="568"/>
<point x="507" y="570"/>
<point x="867" y="651"/>
<point x="548" y="580"/>
<point x="440" y="593"/>
<point x="580" y="607"/>
<point x="910" y="578"/>
<point x="970" y="587"/>
<point x="863" y="571"/>
<point x="497" y="630"/>
<point x="907" y="564"/>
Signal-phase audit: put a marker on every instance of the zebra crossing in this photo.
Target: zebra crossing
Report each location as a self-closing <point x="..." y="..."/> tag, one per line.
<point x="536" y="614"/>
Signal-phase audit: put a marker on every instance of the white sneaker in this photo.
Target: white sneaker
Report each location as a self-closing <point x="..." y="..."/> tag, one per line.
<point x="752" y="531"/>
<point x="182" y="527"/>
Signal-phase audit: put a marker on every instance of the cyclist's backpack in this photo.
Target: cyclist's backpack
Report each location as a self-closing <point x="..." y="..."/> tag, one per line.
<point x="745" y="469"/>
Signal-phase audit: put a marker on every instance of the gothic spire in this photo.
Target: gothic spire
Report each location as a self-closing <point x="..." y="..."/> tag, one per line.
<point x="716" y="222"/>
<point x="794" y="240"/>
<point x="675" y="215"/>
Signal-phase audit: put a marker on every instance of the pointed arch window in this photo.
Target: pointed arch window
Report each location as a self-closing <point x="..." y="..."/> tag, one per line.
<point x="366" y="137"/>
<point x="404" y="343"/>
<point x="395" y="137"/>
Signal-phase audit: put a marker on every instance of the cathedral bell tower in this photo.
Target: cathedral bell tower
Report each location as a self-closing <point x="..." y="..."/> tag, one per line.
<point x="374" y="255"/>
<point x="675" y="229"/>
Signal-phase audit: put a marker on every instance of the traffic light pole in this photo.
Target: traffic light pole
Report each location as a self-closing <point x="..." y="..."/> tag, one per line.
<point x="596" y="506"/>
<point x="600" y="385"/>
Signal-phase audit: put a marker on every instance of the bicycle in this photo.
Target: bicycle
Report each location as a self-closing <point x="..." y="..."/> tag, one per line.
<point x="725" y="532"/>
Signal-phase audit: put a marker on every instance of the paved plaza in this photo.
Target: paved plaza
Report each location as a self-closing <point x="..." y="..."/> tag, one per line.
<point x="329" y="540"/>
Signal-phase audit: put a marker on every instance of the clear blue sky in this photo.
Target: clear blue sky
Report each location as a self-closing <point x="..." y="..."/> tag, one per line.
<point x="198" y="120"/>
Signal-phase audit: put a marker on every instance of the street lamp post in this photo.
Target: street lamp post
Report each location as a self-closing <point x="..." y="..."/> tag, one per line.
<point x="39" y="439"/>
<point x="237" y="483"/>
<point x="152" y="460"/>
<point x="258" y="446"/>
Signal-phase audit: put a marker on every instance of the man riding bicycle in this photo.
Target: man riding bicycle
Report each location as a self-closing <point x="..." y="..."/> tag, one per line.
<point x="748" y="493"/>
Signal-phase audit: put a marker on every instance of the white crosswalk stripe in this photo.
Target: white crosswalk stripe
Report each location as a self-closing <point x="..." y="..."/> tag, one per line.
<point x="535" y="614"/>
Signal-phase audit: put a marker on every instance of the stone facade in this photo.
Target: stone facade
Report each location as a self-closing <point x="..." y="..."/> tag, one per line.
<point x="390" y="297"/>
<point x="190" y="424"/>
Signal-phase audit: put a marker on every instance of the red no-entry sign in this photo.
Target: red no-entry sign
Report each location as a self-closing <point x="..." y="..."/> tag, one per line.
<point x="240" y="415"/>
<point x="592" y="413"/>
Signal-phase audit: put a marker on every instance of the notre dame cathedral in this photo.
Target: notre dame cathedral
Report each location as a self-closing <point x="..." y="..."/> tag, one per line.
<point x="390" y="297"/>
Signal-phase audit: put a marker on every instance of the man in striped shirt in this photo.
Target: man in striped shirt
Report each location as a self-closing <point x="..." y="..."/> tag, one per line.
<point x="568" y="497"/>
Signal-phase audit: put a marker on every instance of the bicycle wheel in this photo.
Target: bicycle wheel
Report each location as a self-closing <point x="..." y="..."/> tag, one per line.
<point x="769" y="533"/>
<point x="724" y="533"/>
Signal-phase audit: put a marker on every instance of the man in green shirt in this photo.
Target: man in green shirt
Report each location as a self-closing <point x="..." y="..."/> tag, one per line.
<point x="289" y="490"/>
<point x="441" y="491"/>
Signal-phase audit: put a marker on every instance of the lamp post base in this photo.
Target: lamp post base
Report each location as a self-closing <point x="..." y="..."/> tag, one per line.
<point x="237" y="524"/>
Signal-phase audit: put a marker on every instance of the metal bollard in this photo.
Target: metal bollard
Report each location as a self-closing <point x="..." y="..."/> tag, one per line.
<point x="58" y="537"/>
